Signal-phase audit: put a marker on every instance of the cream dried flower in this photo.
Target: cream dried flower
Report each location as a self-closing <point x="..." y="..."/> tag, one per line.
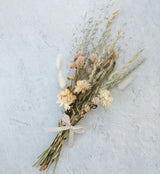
<point x="95" y="100"/>
<point x="72" y="65"/>
<point x="106" y="98"/>
<point x="66" y="98"/>
<point x="82" y="86"/>
<point x="92" y="58"/>
<point x="80" y="62"/>
<point x="86" y="108"/>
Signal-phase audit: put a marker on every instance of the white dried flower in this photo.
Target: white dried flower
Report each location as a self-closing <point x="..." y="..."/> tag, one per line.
<point x="65" y="98"/>
<point x="82" y="86"/>
<point x="106" y="98"/>
<point x="59" y="61"/>
<point x="61" y="80"/>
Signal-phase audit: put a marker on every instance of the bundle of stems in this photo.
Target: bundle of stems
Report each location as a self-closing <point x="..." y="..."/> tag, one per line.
<point x="90" y="84"/>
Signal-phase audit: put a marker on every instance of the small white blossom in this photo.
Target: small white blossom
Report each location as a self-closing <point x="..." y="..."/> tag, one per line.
<point x="106" y="98"/>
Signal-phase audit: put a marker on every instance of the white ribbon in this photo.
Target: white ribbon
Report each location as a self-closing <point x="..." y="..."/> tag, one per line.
<point x="68" y="126"/>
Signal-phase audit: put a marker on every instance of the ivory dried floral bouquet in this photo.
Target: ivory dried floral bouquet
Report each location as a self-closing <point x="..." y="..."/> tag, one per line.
<point x="90" y="84"/>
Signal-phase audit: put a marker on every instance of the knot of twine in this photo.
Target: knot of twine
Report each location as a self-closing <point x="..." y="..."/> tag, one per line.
<point x="72" y="129"/>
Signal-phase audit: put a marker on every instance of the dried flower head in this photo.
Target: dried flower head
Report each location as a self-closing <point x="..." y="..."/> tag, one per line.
<point x="106" y="98"/>
<point x="95" y="100"/>
<point x="80" y="53"/>
<point x="82" y="86"/>
<point x="66" y="98"/>
<point x="88" y="70"/>
<point x="86" y="108"/>
<point x="80" y="62"/>
<point x="72" y="65"/>
<point x="92" y="58"/>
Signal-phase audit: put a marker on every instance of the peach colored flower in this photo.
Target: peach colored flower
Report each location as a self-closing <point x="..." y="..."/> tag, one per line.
<point x="92" y="58"/>
<point x="82" y="86"/>
<point x="106" y="98"/>
<point x="95" y="100"/>
<point x="80" y="53"/>
<point x="66" y="98"/>
<point x="72" y="65"/>
<point x="80" y="62"/>
<point x="86" y="108"/>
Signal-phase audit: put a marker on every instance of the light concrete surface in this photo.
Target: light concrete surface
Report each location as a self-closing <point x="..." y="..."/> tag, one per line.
<point x="124" y="139"/>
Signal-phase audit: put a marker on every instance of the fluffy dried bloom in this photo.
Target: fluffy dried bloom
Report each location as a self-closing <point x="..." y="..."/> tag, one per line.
<point x="92" y="58"/>
<point x="80" y="53"/>
<point x="106" y="98"/>
<point x="82" y="86"/>
<point x="80" y="62"/>
<point x="95" y="100"/>
<point x="86" y="108"/>
<point x="88" y="70"/>
<point x="72" y="65"/>
<point x="66" y="98"/>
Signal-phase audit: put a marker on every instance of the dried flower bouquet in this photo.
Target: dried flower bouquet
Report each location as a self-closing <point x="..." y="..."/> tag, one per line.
<point x="90" y="85"/>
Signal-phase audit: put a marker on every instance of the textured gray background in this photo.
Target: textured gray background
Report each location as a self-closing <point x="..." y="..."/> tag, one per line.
<point x="124" y="139"/>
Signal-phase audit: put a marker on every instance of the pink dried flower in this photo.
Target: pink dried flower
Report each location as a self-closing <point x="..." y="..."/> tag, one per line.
<point x="80" y="62"/>
<point x="72" y="65"/>
<point x="86" y="108"/>
<point x="82" y="86"/>
<point x="88" y="70"/>
<point x="80" y="53"/>
<point x="92" y="58"/>
<point x="95" y="100"/>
